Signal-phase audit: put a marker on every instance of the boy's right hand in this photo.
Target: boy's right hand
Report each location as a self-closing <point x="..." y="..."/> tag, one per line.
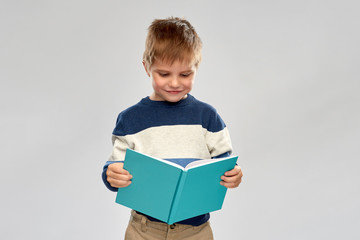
<point x="117" y="176"/>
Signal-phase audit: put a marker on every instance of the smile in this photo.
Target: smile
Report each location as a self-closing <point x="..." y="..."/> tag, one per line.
<point x="174" y="92"/>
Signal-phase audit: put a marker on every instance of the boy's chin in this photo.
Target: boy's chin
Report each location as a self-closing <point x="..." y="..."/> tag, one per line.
<point x="175" y="99"/>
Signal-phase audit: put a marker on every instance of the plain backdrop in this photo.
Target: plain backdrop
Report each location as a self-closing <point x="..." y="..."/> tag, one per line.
<point x="284" y="76"/>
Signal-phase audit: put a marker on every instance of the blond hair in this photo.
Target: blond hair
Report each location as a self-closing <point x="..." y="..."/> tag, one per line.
<point x="172" y="39"/>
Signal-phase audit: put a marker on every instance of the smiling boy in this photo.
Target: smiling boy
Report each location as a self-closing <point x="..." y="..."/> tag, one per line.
<point x="170" y="124"/>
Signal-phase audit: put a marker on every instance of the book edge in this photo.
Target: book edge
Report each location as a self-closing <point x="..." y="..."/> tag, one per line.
<point x="215" y="160"/>
<point x="178" y="192"/>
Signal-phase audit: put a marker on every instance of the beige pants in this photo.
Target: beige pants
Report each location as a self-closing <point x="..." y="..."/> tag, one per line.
<point x="140" y="228"/>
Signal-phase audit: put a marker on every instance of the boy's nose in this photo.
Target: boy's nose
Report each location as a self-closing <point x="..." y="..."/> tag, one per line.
<point x="174" y="82"/>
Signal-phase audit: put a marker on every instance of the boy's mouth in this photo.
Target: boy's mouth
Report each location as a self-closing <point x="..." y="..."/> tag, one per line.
<point x="174" y="92"/>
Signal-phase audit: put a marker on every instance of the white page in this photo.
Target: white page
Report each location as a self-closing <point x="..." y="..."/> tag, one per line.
<point x="202" y="162"/>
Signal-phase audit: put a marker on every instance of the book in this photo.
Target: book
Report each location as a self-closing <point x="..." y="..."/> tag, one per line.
<point x="171" y="193"/>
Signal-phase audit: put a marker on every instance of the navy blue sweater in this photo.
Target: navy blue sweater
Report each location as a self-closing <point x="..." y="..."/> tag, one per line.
<point x="180" y="132"/>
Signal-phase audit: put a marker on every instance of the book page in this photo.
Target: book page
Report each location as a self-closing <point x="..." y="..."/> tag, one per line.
<point x="163" y="160"/>
<point x="202" y="162"/>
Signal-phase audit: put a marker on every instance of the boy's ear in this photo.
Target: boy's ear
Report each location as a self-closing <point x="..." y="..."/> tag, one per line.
<point x="147" y="72"/>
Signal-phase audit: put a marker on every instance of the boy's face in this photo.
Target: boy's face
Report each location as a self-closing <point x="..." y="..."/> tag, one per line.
<point x="171" y="82"/>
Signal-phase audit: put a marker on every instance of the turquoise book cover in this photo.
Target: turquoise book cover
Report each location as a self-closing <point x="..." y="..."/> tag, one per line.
<point x="171" y="193"/>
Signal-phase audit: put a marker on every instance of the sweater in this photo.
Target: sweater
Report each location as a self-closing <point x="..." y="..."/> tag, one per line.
<point x="180" y="132"/>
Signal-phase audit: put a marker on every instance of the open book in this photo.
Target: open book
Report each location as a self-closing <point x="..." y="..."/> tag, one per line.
<point x="171" y="193"/>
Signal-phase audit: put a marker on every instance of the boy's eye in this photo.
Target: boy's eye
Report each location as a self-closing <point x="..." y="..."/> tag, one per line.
<point x="185" y="74"/>
<point x="163" y="74"/>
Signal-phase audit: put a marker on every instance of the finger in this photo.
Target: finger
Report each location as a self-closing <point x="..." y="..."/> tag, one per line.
<point x="236" y="170"/>
<point x="231" y="182"/>
<point x="229" y="185"/>
<point x="118" y="168"/>
<point x="236" y="178"/>
<point x="118" y="176"/>
<point x="118" y="183"/>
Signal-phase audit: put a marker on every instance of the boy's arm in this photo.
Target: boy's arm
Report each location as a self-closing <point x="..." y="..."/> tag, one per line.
<point x="112" y="171"/>
<point x="217" y="136"/>
<point x="115" y="176"/>
<point x="219" y="144"/>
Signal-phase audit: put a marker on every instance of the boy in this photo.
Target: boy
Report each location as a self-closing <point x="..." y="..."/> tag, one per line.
<point x="169" y="124"/>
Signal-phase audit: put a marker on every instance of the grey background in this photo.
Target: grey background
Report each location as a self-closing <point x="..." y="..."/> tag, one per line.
<point x="284" y="75"/>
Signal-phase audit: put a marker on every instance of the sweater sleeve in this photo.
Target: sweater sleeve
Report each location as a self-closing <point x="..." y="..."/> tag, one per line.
<point x="217" y="136"/>
<point x="120" y="144"/>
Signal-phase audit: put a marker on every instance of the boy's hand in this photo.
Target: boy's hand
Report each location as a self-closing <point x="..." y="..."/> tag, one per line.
<point x="232" y="178"/>
<point x="117" y="176"/>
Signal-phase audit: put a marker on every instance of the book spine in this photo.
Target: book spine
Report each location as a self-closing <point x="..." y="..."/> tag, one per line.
<point x="176" y="199"/>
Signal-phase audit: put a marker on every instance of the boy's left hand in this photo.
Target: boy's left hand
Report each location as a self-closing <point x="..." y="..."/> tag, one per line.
<point x="232" y="178"/>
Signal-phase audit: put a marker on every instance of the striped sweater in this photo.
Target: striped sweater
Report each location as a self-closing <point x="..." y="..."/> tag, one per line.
<point x="180" y="132"/>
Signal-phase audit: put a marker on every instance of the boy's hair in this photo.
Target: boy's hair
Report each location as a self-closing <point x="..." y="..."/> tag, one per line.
<point x="172" y="39"/>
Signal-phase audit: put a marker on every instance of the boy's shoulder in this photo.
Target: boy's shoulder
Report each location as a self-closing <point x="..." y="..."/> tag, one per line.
<point x="131" y="109"/>
<point x="207" y="110"/>
<point x="205" y="106"/>
<point x="211" y="120"/>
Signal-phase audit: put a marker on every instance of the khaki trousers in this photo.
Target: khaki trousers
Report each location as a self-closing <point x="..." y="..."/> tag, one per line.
<point x="140" y="228"/>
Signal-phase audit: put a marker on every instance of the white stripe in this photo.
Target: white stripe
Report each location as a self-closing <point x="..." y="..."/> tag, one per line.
<point x="218" y="142"/>
<point x="177" y="141"/>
